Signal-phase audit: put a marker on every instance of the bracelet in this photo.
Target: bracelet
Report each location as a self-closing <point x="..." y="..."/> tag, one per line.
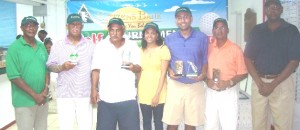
<point x="60" y="68"/>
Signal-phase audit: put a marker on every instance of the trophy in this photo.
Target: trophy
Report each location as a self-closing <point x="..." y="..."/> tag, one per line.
<point x="216" y="75"/>
<point x="178" y="68"/>
<point x="192" y="70"/>
<point x="126" y="55"/>
<point x="74" y="58"/>
<point x="2" y="59"/>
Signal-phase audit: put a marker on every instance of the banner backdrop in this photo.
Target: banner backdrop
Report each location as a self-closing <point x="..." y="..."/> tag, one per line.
<point x="136" y="13"/>
<point x="7" y="23"/>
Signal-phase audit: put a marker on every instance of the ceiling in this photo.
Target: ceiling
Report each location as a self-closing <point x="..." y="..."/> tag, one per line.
<point x="29" y="2"/>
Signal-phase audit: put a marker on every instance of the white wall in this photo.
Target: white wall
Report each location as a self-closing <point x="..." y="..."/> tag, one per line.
<point x="56" y="19"/>
<point x="236" y="12"/>
<point x="6" y="109"/>
<point x="22" y="11"/>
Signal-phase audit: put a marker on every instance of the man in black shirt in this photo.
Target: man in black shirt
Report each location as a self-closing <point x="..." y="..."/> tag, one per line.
<point x="272" y="54"/>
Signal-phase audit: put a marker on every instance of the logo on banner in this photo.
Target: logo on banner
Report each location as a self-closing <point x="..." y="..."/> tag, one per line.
<point x="85" y="14"/>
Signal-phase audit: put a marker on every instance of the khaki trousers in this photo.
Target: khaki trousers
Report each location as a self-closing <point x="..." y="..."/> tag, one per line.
<point x="35" y="117"/>
<point x="280" y="103"/>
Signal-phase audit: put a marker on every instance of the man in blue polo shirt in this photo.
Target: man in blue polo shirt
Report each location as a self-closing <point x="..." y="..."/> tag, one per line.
<point x="188" y="66"/>
<point x="272" y="54"/>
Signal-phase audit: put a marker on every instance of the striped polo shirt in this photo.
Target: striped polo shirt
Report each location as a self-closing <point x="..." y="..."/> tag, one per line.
<point x="74" y="83"/>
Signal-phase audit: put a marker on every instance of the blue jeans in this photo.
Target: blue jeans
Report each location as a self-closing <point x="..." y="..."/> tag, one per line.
<point x="157" y="112"/>
<point x="125" y="114"/>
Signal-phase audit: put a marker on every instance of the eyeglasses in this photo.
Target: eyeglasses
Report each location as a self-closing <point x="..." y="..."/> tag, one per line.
<point x="31" y="26"/>
<point x="220" y="28"/>
<point x="115" y="31"/>
<point x="74" y="24"/>
<point x="273" y="8"/>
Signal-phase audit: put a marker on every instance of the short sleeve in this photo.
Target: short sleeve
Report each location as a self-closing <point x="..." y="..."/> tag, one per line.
<point x="241" y="67"/>
<point x="165" y="53"/>
<point x="135" y="50"/>
<point x="96" y="60"/>
<point x="53" y="56"/>
<point x="13" y="69"/>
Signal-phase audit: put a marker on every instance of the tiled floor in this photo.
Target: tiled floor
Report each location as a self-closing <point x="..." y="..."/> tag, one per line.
<point x="244" y="116"/>
<point x="53" y="118"/>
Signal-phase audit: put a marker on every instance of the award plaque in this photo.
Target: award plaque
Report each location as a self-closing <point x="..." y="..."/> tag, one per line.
<point x="178" y="68"/>
<point x="192" y="70"/>
<point x="74" y="58"/>
<point x="216" y="75"/>
<point x="126" y="55"/>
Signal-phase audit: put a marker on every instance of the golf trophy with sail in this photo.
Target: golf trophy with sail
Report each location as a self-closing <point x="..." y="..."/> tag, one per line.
<point x="192" y="70"/>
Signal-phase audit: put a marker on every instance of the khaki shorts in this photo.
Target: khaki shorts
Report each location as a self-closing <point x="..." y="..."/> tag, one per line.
<point x="184" y="103"/>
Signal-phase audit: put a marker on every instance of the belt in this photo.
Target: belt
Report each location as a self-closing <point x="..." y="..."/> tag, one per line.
<point x="268" y="76"/>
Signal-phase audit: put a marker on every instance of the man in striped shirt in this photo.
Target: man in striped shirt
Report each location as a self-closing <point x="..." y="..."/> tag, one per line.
<point x="71" y="58"/>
